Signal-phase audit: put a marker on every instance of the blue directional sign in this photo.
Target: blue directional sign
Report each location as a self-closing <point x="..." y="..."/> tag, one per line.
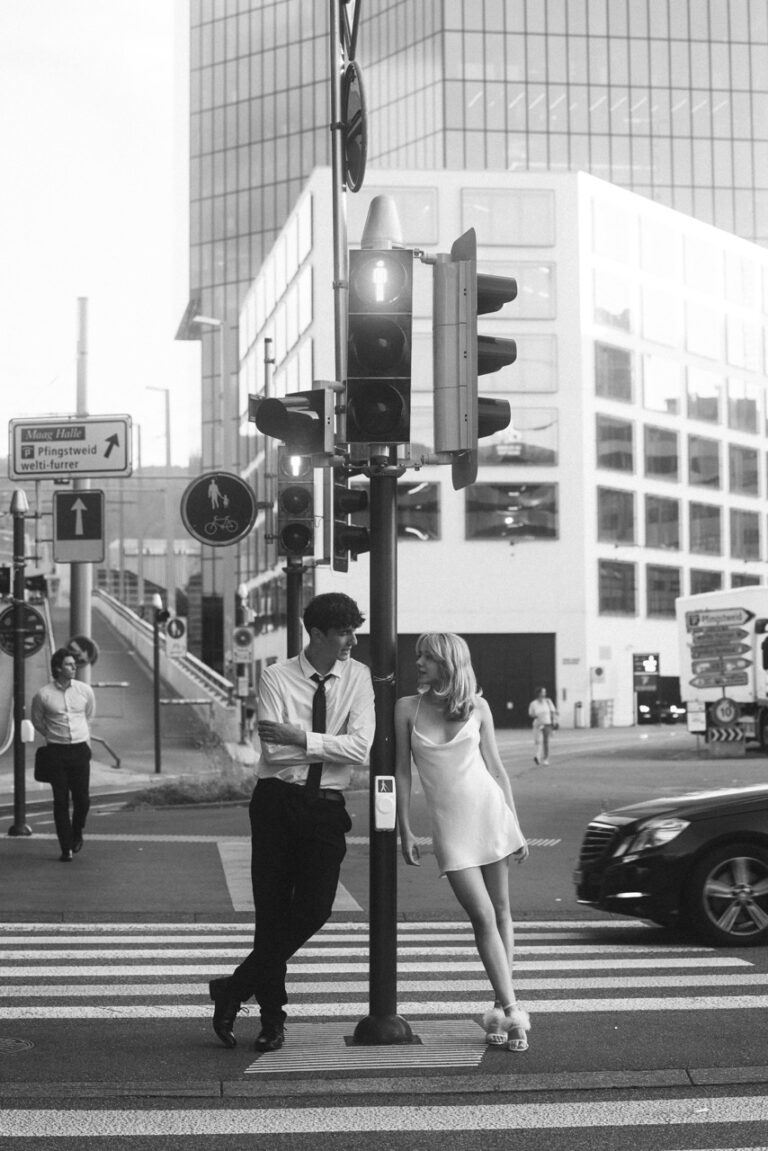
<point x="78" y="526"/>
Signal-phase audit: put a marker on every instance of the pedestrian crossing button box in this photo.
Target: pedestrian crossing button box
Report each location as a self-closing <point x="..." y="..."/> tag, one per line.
<point x="385" y="803"/>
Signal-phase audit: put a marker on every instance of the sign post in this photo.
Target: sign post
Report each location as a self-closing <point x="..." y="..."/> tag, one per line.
<point x="19" y="509"/>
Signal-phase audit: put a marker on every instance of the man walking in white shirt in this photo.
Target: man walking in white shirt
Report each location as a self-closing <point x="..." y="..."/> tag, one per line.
<point x="61" y="712"/>
<point x="316" y="722"/>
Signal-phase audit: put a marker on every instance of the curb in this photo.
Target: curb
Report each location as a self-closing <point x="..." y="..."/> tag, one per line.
<point x="425" y="1085"/>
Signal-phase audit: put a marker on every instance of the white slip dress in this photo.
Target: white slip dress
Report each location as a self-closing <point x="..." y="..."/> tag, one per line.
<point x="471" y="823"/>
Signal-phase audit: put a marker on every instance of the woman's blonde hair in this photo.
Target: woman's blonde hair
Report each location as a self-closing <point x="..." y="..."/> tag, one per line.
<point x="457" y="685"/>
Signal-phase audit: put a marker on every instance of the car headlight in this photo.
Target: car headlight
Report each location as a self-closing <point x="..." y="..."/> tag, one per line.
<point x="653" y="833"/>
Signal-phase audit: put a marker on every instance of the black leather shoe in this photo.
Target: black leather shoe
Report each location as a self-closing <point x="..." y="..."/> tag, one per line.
<point x="225" y="1009"/>
<point x="77" y="845"/>
<point x="270" y="1038"/>
<point x="65" y="857"/>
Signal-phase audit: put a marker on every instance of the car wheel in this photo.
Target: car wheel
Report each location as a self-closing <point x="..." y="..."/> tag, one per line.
<point x="728" y="896"/>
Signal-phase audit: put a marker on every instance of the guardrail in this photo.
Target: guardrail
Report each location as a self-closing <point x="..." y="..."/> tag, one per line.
<point x="198" y="685"/>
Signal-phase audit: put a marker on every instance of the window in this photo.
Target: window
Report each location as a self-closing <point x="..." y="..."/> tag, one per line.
<point x="741" y="579"/>
<point x="418" y="511"/>
<point x="705" y="531"/>
<point x="743" y="470"/>
<point x="745" y="535"/>
<point x="517" y="218"/>
<point x="511" y="511"/>
<point x="617" y="588"/>
<point x="613" y="372"/>
<point x="535" y="290"/>
<point x="703" y="462"/>
<point x="704" y="392"/>
<point x="662" y="523"/>
<point x="703" y="581"/>
<point x="662" y="586"/>
<point x="535" y="368"/>
<point x="661" y="453"/>
<point x="742" y="406"/>
<point x="615" y="516"/>
<point x="661" y="385"/>
<point x="614" y="444"/>
<point x="530" y="438"/>
<point x="613" y="299"/>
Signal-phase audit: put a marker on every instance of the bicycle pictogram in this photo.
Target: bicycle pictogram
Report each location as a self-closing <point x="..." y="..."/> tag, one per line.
<point x="223" y="523"/>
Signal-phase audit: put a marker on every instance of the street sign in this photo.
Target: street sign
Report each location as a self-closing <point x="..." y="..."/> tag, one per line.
<point x="78" y="526"/>
<point x="34" y="631"/>
<point x="218" y="508"/>
<point x="718" y="617"/>
<point x="176" y="637"/>
<point x="242" y="645"/>
<point x="716" y="679"/>
<point x="65" y="447"/>
<point x="724" y="711"/>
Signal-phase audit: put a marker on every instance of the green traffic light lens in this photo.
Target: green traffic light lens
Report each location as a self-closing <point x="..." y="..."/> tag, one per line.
<point x="296" y="539"/>
<point x="378" y="410"/>
<point x="380" y="280"/>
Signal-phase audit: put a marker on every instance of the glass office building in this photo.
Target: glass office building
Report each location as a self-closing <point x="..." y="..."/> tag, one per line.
<point x="665" y="98"/>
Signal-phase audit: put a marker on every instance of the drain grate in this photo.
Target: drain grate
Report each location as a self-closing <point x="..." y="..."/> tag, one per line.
<point x="14" y="1046"/>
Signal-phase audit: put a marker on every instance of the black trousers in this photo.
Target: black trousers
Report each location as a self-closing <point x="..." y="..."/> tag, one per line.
<point x="297" y="848"/>
<point x="71" y="778"/>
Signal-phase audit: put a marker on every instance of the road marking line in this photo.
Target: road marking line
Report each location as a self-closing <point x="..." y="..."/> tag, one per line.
<point x="336" y="1010"/>
<point x="86" y="1124"/>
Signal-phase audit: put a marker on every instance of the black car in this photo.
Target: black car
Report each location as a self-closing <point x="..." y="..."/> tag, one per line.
<point x="700" y="861"/>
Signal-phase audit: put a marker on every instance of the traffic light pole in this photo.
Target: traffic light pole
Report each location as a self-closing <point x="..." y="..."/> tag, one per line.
<point x="294" y="582"/>
<point x="383" y="1025"/>
<point x="19" y="508"/>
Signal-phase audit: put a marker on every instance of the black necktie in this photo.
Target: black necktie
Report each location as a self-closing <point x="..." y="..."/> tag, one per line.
<point x="318" y="724"/>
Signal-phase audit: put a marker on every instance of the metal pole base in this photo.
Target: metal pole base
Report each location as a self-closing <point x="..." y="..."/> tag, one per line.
<point x="377" y="1030"/>
<point x="20" y="829"/>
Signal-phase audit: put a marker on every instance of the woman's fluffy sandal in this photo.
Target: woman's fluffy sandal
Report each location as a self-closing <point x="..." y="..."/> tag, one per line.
<point x="495" y="1025"/>
<point x="517" y="1020"/>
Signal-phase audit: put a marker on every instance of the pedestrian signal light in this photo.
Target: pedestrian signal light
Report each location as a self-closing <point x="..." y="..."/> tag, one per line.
<point x="5" y="580"/>
<point x="378" y="389"/>
<point x="304" y="421"/>
<point x="295" y="504"/>
<point x="461" y="354"/>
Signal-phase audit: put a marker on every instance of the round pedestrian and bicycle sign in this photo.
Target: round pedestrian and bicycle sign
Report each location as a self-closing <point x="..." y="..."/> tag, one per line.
<point x="218" y="508"/>
<point x="34" y="630"/>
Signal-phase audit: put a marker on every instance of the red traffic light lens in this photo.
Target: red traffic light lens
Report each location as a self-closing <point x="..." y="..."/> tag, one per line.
<point x="378" y="410"/>
<point x="296" y="539"/>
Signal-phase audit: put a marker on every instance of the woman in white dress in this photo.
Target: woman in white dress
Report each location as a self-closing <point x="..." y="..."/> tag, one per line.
<point x="447" y="729"/>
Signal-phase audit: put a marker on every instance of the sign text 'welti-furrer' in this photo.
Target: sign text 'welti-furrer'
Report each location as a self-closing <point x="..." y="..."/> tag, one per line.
<point x="70" y="447"/>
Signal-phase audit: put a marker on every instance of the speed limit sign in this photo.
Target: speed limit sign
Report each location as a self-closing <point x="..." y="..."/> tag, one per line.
<point x="724" y="711"/>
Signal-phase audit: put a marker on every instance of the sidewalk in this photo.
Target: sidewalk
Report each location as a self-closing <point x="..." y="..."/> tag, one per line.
<point x="124" y="718"/>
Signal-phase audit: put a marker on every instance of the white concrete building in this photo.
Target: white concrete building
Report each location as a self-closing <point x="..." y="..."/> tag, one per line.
<point x="634" y="469"/>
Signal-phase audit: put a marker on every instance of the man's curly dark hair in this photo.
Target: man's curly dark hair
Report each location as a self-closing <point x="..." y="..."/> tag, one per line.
<point x="332" y="610"/>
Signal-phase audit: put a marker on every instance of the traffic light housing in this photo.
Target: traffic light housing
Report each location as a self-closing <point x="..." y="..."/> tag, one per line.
<point x="343" y="538"/>
<point x="461" y="354"/>
<point x="379" y="322"/>
<point x="295" y="504"/>
<point x="5" y="580"/>
<point x="304" y="421"/>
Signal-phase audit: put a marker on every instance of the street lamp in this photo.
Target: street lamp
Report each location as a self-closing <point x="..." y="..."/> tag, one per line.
<point x="222" y="413"/>
<point x="159" y="617"/>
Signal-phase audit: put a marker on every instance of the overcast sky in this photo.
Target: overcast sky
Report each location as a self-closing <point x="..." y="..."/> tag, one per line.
<point x="93" y="136"/>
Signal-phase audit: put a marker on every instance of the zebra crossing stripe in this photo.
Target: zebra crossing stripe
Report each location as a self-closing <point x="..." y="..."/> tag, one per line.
<point x="683" y="1112"/>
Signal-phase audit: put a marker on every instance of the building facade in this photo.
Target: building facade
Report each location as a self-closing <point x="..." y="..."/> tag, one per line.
<point x="635" y="466"/>
<point x="669" y="100"/>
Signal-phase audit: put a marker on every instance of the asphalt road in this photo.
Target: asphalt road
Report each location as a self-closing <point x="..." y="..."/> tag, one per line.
<point x="640" y="1038"/>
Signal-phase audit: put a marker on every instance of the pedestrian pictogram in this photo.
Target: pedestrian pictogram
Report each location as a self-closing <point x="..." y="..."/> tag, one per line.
<point x="176" y="637"/>
<point x="242" y="645"/>
<point x="218" y="508"/>
<point x="78" y="526"/>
